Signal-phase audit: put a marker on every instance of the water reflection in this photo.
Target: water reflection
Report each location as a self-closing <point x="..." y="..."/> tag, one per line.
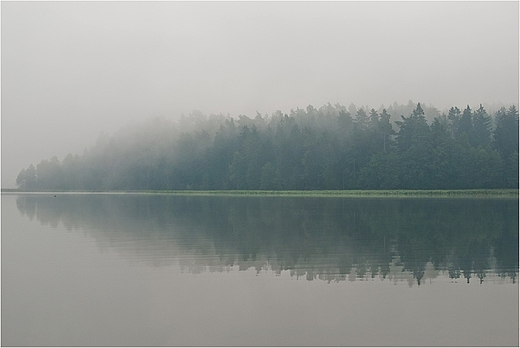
<point x="331" y="239"/>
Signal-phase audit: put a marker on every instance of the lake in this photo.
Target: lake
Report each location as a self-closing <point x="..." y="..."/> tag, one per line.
<point x="165" y="270"/>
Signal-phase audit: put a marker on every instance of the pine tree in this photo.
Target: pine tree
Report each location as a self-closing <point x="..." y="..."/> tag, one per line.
<point x="481" y="131"/>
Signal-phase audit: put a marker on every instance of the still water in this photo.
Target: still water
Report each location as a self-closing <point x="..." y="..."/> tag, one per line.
<point x="160" y="270"/>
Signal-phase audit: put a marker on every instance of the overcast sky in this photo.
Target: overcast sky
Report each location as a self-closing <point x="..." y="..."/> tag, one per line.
<point x="71" y="70"/>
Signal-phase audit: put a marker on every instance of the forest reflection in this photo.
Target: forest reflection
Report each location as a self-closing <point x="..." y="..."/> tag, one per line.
<point x="332" y="239"/>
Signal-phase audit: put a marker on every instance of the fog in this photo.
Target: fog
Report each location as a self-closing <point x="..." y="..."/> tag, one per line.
<point x="71" y="70"/>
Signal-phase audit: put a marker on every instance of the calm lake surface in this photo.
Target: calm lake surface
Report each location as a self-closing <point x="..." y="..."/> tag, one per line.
<point x="160" y="270"/>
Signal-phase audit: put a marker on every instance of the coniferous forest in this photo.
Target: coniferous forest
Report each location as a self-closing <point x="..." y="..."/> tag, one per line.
<point x="332" y="148"/>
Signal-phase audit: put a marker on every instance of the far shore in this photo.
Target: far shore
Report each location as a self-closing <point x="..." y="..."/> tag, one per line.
<point x="324" y="193"/>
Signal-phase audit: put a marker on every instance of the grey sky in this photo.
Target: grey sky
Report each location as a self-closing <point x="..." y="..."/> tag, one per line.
<point x="71" y="70"/>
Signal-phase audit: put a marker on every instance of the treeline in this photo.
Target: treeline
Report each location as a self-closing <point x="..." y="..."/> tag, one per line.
<point x="332" y="147"/>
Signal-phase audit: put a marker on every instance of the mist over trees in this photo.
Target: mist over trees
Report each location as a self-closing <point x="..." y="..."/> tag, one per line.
<point x="334" y="147"/>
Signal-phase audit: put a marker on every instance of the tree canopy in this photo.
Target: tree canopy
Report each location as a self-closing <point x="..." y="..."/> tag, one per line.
<point x="308" y="149"/>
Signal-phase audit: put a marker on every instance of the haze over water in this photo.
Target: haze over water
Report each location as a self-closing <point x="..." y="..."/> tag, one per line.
<point x="111" y="269"/>
<point x="162" y="270"/>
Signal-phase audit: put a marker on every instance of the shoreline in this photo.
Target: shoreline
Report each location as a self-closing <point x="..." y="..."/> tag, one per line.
<point x="490" y="193"/>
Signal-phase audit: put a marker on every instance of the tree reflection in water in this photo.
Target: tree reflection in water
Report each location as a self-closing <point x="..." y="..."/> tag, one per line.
<point x="331" y="239"/>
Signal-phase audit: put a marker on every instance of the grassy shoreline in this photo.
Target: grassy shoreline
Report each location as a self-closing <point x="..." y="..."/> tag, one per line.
<point x="490" y="193"/>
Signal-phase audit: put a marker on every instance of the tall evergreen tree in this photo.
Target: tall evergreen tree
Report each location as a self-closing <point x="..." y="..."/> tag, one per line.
<point x="466" y="122"/>
<point x="481" y="131"/>
<point x="506" y="132"/>
<point x="454" y="120"/>
<point x="505" y="141"/>
<point x="413" y="142"/>
<point x="362" y="120"/>
<point x="385" y="130"/>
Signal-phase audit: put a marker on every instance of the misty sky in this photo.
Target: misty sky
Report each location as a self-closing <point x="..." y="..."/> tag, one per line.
<point x="71" y="70"/>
